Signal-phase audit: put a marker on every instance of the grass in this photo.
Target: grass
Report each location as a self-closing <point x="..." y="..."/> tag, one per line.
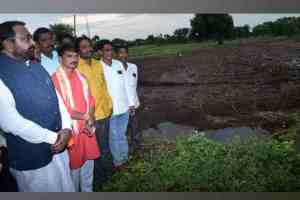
<point x="199" y="164"/>
<point x="292" y="133"/>
<point x="185" y="49"/>
<point x="195" y="163"/>
<point x="170" y="49"/>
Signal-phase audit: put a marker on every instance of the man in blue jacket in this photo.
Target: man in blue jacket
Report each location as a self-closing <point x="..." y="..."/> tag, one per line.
<point x="36" y="125"/>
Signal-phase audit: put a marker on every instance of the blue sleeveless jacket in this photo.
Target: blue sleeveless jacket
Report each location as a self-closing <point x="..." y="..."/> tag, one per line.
<point x="36" y="101"/>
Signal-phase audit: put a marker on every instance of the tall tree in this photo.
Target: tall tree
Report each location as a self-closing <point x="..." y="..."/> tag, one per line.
<point x="212" y="26"/>
<point x="181" y="34"/>
<point x="286" y="26"/>
<point x="263" y="29"/>
<point x="118" y="41"/>
<point x="95" y="40"/>
<point x="242" y="31"/>
<point x="150" y="39"/>
<point x="60" y="29"/>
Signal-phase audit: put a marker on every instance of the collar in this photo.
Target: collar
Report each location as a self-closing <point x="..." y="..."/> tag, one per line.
<point x="105" y="64"/>
<point x="54" y="55"/>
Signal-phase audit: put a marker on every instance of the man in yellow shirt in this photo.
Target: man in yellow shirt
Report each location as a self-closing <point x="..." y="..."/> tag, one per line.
<point x="93" y="71"/>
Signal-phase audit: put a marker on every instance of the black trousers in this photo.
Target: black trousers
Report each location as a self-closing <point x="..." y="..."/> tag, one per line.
<point x="103" y="165"/>
<point x="134" y="132"/>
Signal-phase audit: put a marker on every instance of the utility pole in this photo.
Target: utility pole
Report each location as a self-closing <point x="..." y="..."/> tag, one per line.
<point x="88" y="26"/>
<point x="74" y="25"/>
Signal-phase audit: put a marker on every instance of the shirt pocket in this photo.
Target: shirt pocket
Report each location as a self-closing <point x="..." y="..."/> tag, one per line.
<point x="133" y="79"/>
<point x="120" y="72"/>
<point x="119" y="75"/>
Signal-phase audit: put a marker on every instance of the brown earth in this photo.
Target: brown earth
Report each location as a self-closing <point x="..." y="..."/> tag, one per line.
<point x="238" y="83"/>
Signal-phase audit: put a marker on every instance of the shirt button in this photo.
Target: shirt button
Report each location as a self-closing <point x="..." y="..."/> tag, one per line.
<point x="49" y="97"/>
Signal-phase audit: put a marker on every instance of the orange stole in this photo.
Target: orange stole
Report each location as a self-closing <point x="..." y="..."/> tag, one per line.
<point x="81" y="147"/>
<point x="84" y="148"/>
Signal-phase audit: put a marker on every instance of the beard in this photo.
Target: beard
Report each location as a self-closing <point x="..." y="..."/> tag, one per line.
<point x="24" y="54"/>
<point x="30" y="54"/>
<point x="86" y="55"/>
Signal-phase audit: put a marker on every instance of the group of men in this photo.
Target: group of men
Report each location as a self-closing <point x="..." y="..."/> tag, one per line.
<point x="64" y="112"/>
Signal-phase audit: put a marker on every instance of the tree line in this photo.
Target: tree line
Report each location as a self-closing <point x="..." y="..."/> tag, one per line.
<point x="204" y="27"/>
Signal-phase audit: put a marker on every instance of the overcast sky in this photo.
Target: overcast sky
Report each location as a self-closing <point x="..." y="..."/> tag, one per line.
<point x="129" y="26"/>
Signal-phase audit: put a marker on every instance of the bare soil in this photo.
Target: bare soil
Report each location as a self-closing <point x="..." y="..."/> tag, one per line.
<point x="253" y="83"/>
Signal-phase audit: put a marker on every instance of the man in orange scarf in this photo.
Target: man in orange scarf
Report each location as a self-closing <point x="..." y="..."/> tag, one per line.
<point x="74" y="90"/>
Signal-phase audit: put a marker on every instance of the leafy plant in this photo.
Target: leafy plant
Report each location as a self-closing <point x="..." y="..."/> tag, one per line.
<point x="196" y="163"/>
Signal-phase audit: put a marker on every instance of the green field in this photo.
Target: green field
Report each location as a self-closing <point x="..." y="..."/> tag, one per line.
<point x="165" y="50"/>
<point x="172" y="49"/>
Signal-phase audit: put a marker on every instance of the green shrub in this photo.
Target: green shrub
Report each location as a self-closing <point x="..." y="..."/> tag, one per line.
<point x="199" y="164"/>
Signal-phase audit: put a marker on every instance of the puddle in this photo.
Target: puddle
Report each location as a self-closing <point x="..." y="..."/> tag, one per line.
<point x="169" y="131"/>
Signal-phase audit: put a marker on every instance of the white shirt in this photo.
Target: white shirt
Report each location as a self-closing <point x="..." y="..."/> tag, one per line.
<point x="11" y="121"/>
<point x="49" y="64"/>
<point x="131" y="79"/>
<point x="116" y="85"/>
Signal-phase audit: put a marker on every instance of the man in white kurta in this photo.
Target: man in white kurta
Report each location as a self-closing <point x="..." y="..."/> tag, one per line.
<point x="58" y="171"/>
<point x="52" y="176"/>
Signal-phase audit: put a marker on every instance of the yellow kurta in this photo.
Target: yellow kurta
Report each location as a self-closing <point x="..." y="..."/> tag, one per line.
<point x="95" y="76"/>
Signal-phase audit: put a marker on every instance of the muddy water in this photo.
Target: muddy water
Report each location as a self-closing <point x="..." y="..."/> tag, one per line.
<point x="169" y="131"/>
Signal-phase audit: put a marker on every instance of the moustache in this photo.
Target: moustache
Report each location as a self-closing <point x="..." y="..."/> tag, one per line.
<point x="50" y="47"/>
<point x="31" y="48"/>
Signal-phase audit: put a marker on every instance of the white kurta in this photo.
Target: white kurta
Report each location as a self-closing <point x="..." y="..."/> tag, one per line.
<point x="54" y="177"/>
